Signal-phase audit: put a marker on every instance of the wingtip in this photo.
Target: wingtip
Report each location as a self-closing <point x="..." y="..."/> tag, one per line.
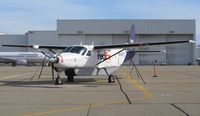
<point x="36" y="46"/>
<point x="163" y="51"/>
<point x="191" y="41"/>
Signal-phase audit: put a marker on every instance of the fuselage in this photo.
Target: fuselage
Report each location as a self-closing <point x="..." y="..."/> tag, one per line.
<point x="85" y="57"/>
<point x="21" y="57"/>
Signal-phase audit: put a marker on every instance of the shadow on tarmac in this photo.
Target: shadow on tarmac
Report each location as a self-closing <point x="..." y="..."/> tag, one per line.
<point x="41" y="83"/>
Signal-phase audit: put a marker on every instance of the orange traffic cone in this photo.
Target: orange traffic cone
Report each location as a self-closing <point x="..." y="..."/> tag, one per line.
<point x="154" y="72"/>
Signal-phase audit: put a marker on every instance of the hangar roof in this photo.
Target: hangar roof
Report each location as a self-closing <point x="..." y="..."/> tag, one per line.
<point x="123" y="26"/>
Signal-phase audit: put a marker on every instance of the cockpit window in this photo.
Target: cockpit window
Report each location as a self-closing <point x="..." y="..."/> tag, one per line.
<point x="88" y="53"/>
<point x="78" y="49"/>
<point x="67" y="49"/>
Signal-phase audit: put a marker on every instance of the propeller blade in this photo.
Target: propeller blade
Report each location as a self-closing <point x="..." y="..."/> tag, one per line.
<point x="34" y="74"/>
<point x="59" y="53"/>
<point x="52" y="70"/>
<point x="42" y="68"/>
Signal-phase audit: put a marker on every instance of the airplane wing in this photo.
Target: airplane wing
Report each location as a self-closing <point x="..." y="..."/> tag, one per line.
<point x="37" y="46"/>
<point x="140" y="44"/>
<point x="103" y="46"/>
<point x="146" y="51"/>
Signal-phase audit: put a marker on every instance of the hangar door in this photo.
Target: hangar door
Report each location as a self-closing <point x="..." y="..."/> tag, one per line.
<point x="150" y="58"/>
<point x="179" y="53"/>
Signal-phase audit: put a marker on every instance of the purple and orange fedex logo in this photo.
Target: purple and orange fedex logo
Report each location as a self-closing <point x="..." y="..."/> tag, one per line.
<point x="103" y="54"/>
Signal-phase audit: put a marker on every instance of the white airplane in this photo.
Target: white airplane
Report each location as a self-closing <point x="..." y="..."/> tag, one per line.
<point x="21" y="58"/>
<point x="79" y="60"/>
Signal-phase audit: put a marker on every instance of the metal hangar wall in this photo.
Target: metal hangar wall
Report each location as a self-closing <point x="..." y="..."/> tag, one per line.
<point x="117" y="31"/>
<point x="100" y="32"/>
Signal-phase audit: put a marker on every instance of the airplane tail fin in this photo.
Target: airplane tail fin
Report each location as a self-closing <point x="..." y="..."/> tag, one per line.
<point x="130" y="51"/>
<point x="132" y="34"/>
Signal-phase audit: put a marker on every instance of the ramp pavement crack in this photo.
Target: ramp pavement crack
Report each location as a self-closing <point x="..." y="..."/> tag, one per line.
<point x="88" y="112"/>
<point x="181" y="110"/>
<point x="121" y="89"/>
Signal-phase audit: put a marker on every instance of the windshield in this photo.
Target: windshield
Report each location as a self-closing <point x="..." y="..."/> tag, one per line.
<point x="67" y="49"/>
<point x="78" y="49"/>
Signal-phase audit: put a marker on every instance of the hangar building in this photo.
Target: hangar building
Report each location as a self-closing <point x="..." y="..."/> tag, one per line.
<point x="100" y="32"/>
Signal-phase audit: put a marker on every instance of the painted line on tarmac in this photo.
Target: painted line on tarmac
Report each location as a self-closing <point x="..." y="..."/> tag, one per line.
<point x="64" y="110"/>
<point x="76" y="108"/>
<point x="8" y="77"/>
<point x="56" y="111"/>
<point x="139" y="86"/>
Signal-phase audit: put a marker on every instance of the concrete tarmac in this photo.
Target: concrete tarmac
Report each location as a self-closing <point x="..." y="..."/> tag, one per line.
<point x="175" y="92"/>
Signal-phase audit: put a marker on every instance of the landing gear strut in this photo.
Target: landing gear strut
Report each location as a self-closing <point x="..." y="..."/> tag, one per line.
<point x="58" y="78"/>
<point x="111" y="78"/>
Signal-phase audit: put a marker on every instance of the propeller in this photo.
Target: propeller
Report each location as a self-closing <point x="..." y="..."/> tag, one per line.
<point x="52" y="70"/>
<point x="52" y="59"/>
<point x="38" y="69"/>
<point x="42" y="67"/>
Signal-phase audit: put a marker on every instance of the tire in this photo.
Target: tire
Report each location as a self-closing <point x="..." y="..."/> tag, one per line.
<point x="70" y="78"/>
<point x="111" y="79"/>
<point x="58" y="81"/>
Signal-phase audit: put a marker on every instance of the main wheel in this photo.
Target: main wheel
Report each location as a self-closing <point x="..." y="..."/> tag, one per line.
<point x="70" y="78"/>
<point x="111" y="79"/>
<point x="58" y="81"/>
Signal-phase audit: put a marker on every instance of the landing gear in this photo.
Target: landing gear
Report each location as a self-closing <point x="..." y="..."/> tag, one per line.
<point x="70" y="78"/>
<point x="111" y="78"/>
<point x="70" y="73"/>
<point x="58" y="81"/>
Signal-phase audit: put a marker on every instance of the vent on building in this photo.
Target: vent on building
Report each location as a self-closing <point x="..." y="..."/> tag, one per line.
<point x="171" y="31"/>
<point x="126" y="32"/>
<point x="79" y="32"/>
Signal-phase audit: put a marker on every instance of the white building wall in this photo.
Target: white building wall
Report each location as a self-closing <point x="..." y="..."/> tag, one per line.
<point x="123" y="26"/>
<point x="13" y="39"/>
<point x="99" y="39"/>
<point x="71" y="39"/>
<point x="43" y="38"/>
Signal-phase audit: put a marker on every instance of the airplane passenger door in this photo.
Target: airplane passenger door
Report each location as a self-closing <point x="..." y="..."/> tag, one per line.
<point x="85" y="60"/>
<point x="90" y="59"/>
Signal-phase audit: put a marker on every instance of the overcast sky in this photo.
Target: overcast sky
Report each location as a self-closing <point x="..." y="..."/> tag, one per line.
<point x="19" y="16"/>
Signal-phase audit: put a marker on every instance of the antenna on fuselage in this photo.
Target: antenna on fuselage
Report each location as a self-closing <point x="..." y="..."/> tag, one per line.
<point x="81" y="43"/>
<point x="92" y="43"/>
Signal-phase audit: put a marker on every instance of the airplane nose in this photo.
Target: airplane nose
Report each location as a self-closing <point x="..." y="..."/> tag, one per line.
<point x="53" y="60"/>
<point x="59" y="59"/>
